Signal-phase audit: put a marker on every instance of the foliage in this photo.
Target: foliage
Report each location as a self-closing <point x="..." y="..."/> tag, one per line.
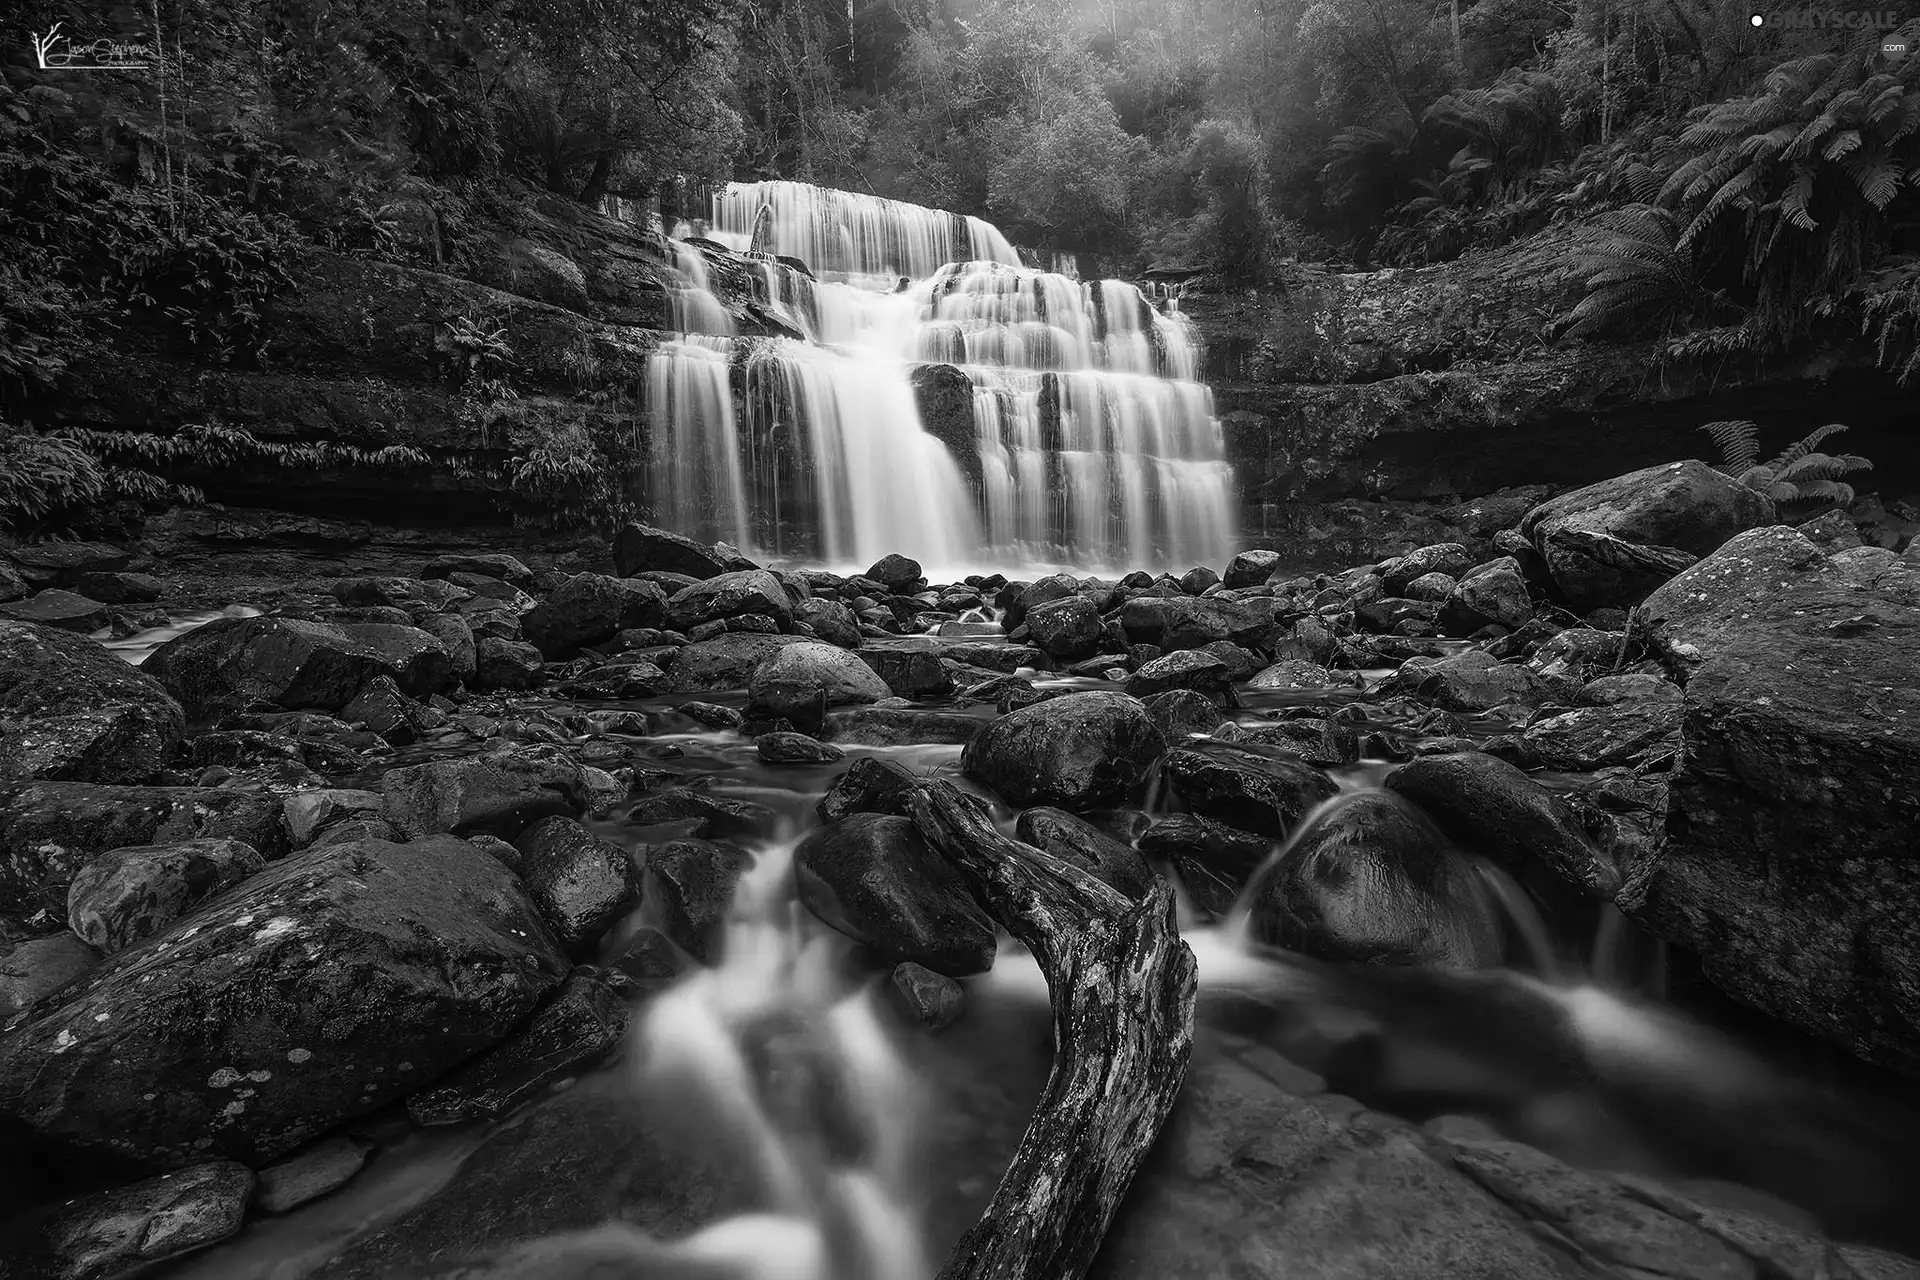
<point x="41" y="477"/>
<point x="1636" y="271"/>
<point x="1890" y="315"/>
<point x="565" y="482"/>
<point x="1800" y="477"/>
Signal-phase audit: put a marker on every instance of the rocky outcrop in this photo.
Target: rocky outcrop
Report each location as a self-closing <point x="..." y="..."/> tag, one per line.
<point x="293" y="664"/>
<point x="71" y="711"/>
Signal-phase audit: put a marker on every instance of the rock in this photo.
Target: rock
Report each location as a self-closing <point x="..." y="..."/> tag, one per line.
<point x="506" y="664"/>
<point x="830" y="621"/>
<point x="724" y="662"/>
<point x="1181" y="713"/>
<point x="648" y="960"/>
<point x="1196" y="580"/>
<point x="589" y="608"/>
<point x="1431" y="587"/>
<point x="1574" y="656"/>
<point x="1250" y="569"/>
<point x="61" y="564"/>
<point x="1067" y="629"/>
<point x="910" y="673"/>
<point x="125" y="895"/>
<point x="1371" y="883"/>
<point x="1834" y="531"/>
<point x="500" y="793"/>
<point x="1588" y="738"/>
<point x="486" y="564"/>
<point x="132" y="1230"/>
<point x="50" y="830"/>
<point x="1245" y="789"/>
<point x="310" y="812"/>
<point x="1078" y="842"/>
<point x="1642" y="686"/>
<point x="870" y="785"/>
<point x="1493" y="808"/>
<point x="931" y="999"/>
<point x="1470" y="681"/>
<point x="371" y="827"/>
<point x="1493" y="594"/>
<point x="573" y="1030"/>
<point x="1185" y="669"/>
<point x="581" y="884"/>
<point x="12" y="585"/>
<point x="902" y="727"/>
<point x="384" y="710"/>
<point x="1449" y="558"/>
<point x="703" y="815"/>
<point x="328" y="985"/>
<point x="896" y="573"/>
<point x="1607" y="544"/>
<point x="873" y="878"/>
<point x="800" y="681"/>
<point x="638" y="548"/>
<point x="1214" y="861"/>
<point x="752" y="592"/>
<point x="1791" y="862"/>
<point x="1185" y="623"/>
<point x="1076" y="751"/>
<point x="795" y="748"/>
<point x="56" y="608"/>
<point x="712" y="715"/>
<point x="293" y="664"/>
<point x="308" y="1174"/>
<point x="456" y="637"/>
<point x="1293" y="673"/>
<point x="111" y="587"/>
<point x="39" y="967"/>
<point x="72" y="711"/>
<point x="693" y="882"/>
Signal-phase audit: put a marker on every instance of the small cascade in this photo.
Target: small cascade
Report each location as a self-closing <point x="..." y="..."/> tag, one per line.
<point x="694" y="478"/>
<point x="850" y="234"/>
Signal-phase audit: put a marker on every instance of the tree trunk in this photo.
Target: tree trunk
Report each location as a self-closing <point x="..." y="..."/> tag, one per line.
<point x="1122" y="985"/>
<point x="596" y="185"/>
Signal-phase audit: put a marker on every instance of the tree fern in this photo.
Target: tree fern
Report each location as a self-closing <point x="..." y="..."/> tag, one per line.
<point x="1634" y="268"/>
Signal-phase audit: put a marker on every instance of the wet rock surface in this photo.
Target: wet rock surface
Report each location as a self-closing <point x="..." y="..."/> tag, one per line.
<point x="72" y="711"/>
<point x="873" y="878"/>
<point x="1076" y="751"/>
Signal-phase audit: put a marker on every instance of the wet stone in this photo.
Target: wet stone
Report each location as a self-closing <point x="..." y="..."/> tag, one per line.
<point x="580" y="883"/>
<point x="795" y="748"/>
<point x="931" y="999"/>
<point x="38" y="967"/>
<point x="693" y="882"/>
<point x="125" y="895"/>
<point x="325" y="1166"/>
<point x="136" y="1228"/>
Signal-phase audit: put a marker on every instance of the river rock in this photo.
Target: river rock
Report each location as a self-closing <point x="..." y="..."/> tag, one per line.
<point x="831" y="621"/>
<point x="1067" y="629"/>
<point x="1493" y="808"/>
<point x="931" y="999"/>
<point x="1611" y="543"/>
<point x="72" y="711"/>
<point x="1471" y="681"/>
<point x="724" y="662"/>
<point x="12" y="585"/>
<point x="1371" y="883"/>
<point x="693" y="882"/>
<point x="1188" y="623"/>
<point x="308" y="1174"/>
<point x="135" y="1229"/>
<point x="732" y="595"/>
<point x="38" y="967"/>
<point x="455" y="635"/>
<point x="1492" y="594"/>
<point x="1246" y="789"/>
<point x="897" y="573"/>
<point x="61" y="564"/>
<point x="1792" y="853"/>
<point x="114" y="587"/>
<point x="1635" y="686"/>
<point x="870" y="785"/>
<point x="574" y="1029"/>
<point x="330" y="984"/>
<point x="873" y="878"/>
<point x="1431" y="587"/>
<point x="581" y="884"/>
<point x="293" y="664"/>
<point x="1450" y="558"/>
<point x="647" y="961"/>
<point x="910" y="673"/>
<point x="589" y="608"/>
<point x="1213" y="860"/>
<point x="1193" y="669"/>
<point x="1078" y="842"/>
<point x="487" y="564"/>
<point x="500" y="793"/>
<point x="506" y="664"/>
<point x="702" y="814"/>
<point x="639" y="548"/>
<point x="784" y="747"/>
<point x="902" y="727"/>
<point x="1077" y="751"/>
<point x="801" y="681"/>
<point x="49" y="830"/>
<point x="56" y="608"/>
<point x="1181" y="713"/>
<point x="125" y="895"/>
<point x="1646" y="731"/>
<point x="384" y="710"/>
<point x="1250" y="569"/>
<point x="1293" y="673"/>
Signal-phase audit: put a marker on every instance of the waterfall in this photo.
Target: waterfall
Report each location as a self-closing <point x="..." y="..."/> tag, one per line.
<point x="1086" y="436"/>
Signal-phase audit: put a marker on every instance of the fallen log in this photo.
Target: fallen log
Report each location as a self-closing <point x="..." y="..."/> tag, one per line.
<point x="1122" y="986"/>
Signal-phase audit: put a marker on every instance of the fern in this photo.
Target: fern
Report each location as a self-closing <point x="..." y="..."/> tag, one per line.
<point x="1800" y="477"/>
<point x="1635" y="271"/>
<point x="1738" y="442"/>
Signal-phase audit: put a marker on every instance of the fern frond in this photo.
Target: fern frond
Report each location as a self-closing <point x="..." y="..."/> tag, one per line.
<point x="1739" y="443"/>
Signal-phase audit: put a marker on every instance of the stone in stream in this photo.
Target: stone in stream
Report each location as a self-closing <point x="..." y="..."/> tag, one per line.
<point x="61" y="564"/>
<point x="1188" y="623"/>
<point x="1198" y="579"/>
<point x="1225" y="854"/>
<point x="1642" y="732"/>
<point x="487" y="564"/>
<point x="134" y="1229"/>
<point x="38" y="967"/>
<point x="1640" y="686"/>
<point x="50" y="830"/>
<point x="732" y="595"/>
<point x="1186" y="669"/>
<point x="1250" y="569"/>
<point x="1067" y="629"/>
<point x="895" y="572"/>
<point x="70" y="710"/>
<point x="371" y="827"/>
<point x="638" y="548"/>
<point x="1434" y="587"/>
<point x="12" y="585"/>
<point x="293" y="664"/>
<point x="910" y="673"/>
<point x="117" y="587"/>
<point x="63" y="610"/>
<point x="309" y="1173"/>
<point x="386" y="711"/>
<point x="505" y="664"/>
<point x="575" y="1029"/>
<point x="455" y="635"/>
<point x="646" y="962"/>
<point x="1471" y="681"/>
<point x="831" y="621"/>
<point x="1246" y="789"/>
<point x="1078" y="751"/>
<point x="901" y="727"/>
<point x="873" y="878"/>
<point x="1293" y="673"/>
<point x="703" y="815"/>
<point x="1078" y="842"/>
<point x="801" y="681"/>
<point x="724" y="662"/>
<point x="500" y="793"/>
<point x="1492" y="808"/>
<point x="1371" y="883"/>
<point x="1449" y="558"/>
<point x="310" y="812"/>
<point x="785" y="747"/>
<point x="333" y="982"/>
<point x="589" y="608"/>
<point x="126" y="895"/>
<point x="1614" y="542"/>
<point x="1791" y="861"/>
<point x="581" y="884"/>
<point x="870" y="785"/>
<point x="1569" y="659"/>
<point x="1492" y="594"/>
<point x="931" y="999"/>
<point x="693" y="883"/>
<point x="1181" y="713"/>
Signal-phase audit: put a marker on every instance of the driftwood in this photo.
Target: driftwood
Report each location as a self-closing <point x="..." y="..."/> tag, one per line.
<point x="1122" y="985"/>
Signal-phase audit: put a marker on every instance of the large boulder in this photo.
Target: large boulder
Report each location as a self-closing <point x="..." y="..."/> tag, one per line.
<point x="72" y="711"/>
<point x="1180" y="622"/>
<point x="327" y="986"/>
<point x="132" y="1230"/>
<point x="641" y="548"/>
<point x="1076" y="751"/>
<point x="1067" y="629"/>
<point x="1493" y="808"/>
<point x="1470" y="681"/>
<point x="724" y="662"/>
<point x="1792" y="853"/>
<point x="293" y="664"/>
<point x="1492" y="594"/>
<point x="500" y="793"/>
<point x="125" y="895"/>
<point x="38" y="967"/>
<point x="50" y="830"/>
<point x="589" y="608"/>
<point x="1611" y="543"/>
<point x="1371" y="882"/>
<point x="1076" y="841"/>
<point x="56" y="608"/>
<point x="800" y="681"/>
<point x="581" y="883"/>
<point x="1246" y="789"/>
<point x="747" y="593"/>
<point x="690" y="886"/>
<point x="872" y="877"/>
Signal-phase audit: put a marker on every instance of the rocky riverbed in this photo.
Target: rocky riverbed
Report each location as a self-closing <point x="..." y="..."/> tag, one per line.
<point x="501" y="920"/>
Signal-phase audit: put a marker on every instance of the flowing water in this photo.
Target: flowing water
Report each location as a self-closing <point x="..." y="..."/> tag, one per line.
<point x="1077" y="430"/>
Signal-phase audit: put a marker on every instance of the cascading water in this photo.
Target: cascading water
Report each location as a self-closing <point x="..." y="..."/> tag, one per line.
<point x="1086" y="436"/>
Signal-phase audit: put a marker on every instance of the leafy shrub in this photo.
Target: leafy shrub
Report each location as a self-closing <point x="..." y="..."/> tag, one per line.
<point x="42" y="477"/>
